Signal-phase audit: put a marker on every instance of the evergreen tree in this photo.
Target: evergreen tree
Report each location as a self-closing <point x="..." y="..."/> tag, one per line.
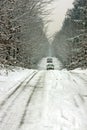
<point x="73" y="37"/>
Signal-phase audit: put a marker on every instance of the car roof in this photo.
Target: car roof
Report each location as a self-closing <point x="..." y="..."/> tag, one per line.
<point x="50" y="64"/>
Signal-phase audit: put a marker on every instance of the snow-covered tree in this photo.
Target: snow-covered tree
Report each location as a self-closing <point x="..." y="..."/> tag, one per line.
<point x="71" y="41"/>
<point x="9" y="33"/>
<point x="21" y="31"/>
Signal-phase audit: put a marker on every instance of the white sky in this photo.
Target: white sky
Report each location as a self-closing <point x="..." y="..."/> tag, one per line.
<point x="60" y="8"/>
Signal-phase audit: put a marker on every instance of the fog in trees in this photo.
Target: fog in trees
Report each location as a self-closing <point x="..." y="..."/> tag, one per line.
<point x="70" y="43"/>
<point x="22" y="39"/>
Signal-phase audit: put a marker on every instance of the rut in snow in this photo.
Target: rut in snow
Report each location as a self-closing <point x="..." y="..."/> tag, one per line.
<point x="29" y="100"/>
<point x="16" y="89"/>
<point x="21" y="88"/>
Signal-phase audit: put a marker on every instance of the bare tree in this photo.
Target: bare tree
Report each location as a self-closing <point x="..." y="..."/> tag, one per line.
<point x="21" y="30"/>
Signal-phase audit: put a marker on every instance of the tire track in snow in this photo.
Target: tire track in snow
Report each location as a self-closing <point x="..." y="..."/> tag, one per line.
<point x="81" y="78"/>
<point x="7" y="119"/>
<point x="29" y="100"/>
<point x="15" y="96"/>
<point x="75" y="87"/>
<point x="77" y="84"/>
<point x="13" y="92"/>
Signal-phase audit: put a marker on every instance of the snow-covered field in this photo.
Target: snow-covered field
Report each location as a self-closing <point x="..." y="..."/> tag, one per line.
<point x="43" y="100"/>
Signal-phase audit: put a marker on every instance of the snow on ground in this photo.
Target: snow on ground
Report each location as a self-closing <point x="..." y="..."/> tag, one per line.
<point x="59" y="102"/>
<point x="9" y="80"/>
<point x="42" y="64"/>
<point x="66" y="100"/>
<point x="43" y="100"/>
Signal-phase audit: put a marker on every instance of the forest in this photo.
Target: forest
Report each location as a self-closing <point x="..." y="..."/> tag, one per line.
<point x="23" y="41"/>
<point x="70" y="43"/>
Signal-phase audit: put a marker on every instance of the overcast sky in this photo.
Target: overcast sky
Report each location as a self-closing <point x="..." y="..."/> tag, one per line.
<point x="60" y="8"/>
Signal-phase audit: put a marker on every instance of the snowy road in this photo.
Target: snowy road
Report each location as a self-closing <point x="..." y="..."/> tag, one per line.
<point x="47" y="100"/>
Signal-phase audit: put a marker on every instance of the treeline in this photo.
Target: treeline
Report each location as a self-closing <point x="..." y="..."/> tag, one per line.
<point x="22" y="40"/>
<point x="71" y="42"/>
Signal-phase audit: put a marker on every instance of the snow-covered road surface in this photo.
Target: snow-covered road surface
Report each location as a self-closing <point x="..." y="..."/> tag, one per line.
<point x="46" y="100"/>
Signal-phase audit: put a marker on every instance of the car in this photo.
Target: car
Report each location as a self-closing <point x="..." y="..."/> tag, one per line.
<point x="49" y="60"/>
<point x="50" y="67"/>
